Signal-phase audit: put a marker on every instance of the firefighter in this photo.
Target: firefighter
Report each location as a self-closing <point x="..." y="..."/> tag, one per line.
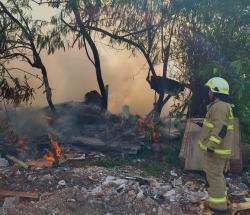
<point x="215" y="141"/>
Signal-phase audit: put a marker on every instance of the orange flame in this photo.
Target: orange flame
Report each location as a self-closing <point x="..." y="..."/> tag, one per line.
<point x="49" y="156"/>
<point x="57" y="148"/>
<point x="148" y="128"/>
<point x="55" y="144"/>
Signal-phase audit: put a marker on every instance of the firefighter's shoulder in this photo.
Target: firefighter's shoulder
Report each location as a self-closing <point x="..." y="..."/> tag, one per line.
<point x="220" y="106"/>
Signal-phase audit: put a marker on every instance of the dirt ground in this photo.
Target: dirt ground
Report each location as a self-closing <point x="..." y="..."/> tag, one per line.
<point x="83" y="187"/>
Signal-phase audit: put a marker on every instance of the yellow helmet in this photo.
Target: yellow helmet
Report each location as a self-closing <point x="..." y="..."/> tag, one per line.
<point x="218" y="85"/>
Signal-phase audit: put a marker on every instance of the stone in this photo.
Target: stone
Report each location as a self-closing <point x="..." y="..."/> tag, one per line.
<point x="108" y="180"/>
<point x="62" y="183"/>
<point x="83" y="189"/>
<point x="71" y="200"/>
<point x="46" y="177"/>
<point x="120" y="181"/>
<point x="140" y="194"/>
<point x="166" y="188"/>
<point x="160" y="211"/>
<point x="55" y="211"/>
<point x="173" y="173"/>
<point x="4" y="162"/>
<point x="121" y="188"/>
<point x="177" y="182"/>
<point x="30" y="178"/>
<point x="10" y="201"/>
<point x="169" y="193"/>
<point x="198" y="196"/>
<point x="97" y="191"/>
<point x="79" y="157"/>
<point x="132" y="194"/>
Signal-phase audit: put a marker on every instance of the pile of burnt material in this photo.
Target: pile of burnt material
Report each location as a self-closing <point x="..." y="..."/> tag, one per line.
<point x="37" y="134"/>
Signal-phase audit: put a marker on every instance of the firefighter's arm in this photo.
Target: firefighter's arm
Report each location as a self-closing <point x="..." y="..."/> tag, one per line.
<point x="219" y="116"/>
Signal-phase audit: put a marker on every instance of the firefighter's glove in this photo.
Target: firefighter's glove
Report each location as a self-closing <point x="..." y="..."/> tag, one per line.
<point x="210" y="151"/>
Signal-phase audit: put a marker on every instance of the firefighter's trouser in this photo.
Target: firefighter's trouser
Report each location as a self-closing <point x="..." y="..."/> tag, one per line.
<point x="214" y="168"/>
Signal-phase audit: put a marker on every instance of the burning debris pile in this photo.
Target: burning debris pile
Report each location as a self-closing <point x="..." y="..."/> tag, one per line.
<point x="35" y="135"/>
<point x="49" y="165"/>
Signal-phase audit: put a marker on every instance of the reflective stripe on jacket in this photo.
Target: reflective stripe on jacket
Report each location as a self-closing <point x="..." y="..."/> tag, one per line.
<point x="217" y="130"/>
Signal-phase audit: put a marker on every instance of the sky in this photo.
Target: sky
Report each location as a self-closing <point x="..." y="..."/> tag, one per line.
<point x="71" y="75"/>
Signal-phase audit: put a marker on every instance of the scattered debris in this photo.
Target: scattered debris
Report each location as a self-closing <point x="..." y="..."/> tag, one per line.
<point x="67" y="169"/>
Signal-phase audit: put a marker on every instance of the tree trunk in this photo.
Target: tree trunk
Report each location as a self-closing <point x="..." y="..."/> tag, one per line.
<point x="47" y="88"/>
<point x="92" y="45"/>
<point x="158" y="107"/>
<point x="199" y="100"/>
<point x="39" y="64"/>
<point x="156" y="112"/>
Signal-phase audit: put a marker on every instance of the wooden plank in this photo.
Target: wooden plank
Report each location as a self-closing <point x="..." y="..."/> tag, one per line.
<point x="236" y="160"/>
<point x="7" y="193"/>
<point x="240" y="207"/>
<point x="17" y="161"/>
<point x="39" y="163"/>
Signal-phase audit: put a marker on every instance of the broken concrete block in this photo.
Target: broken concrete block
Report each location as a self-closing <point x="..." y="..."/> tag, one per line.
<point x="10" y="201"/>
<point x="4" y="162"/>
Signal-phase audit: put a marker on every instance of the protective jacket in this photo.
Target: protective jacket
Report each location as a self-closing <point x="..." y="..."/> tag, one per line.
<point x="217" y="130"/>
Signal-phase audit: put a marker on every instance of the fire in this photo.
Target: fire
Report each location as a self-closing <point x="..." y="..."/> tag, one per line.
<point x="49" y="156"/>
<point x="55" y="147"/>
<point x="149" y="128"/>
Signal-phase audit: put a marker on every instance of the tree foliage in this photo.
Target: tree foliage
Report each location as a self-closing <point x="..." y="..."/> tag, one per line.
<point x="216" y="43"/>
<point x="21" y="38"/>
<point x="189" y="40"/>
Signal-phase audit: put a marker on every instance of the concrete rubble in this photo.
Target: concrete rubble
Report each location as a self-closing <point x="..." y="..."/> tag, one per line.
<point x="102" y="190"/>
<point x="3" y="162"/>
